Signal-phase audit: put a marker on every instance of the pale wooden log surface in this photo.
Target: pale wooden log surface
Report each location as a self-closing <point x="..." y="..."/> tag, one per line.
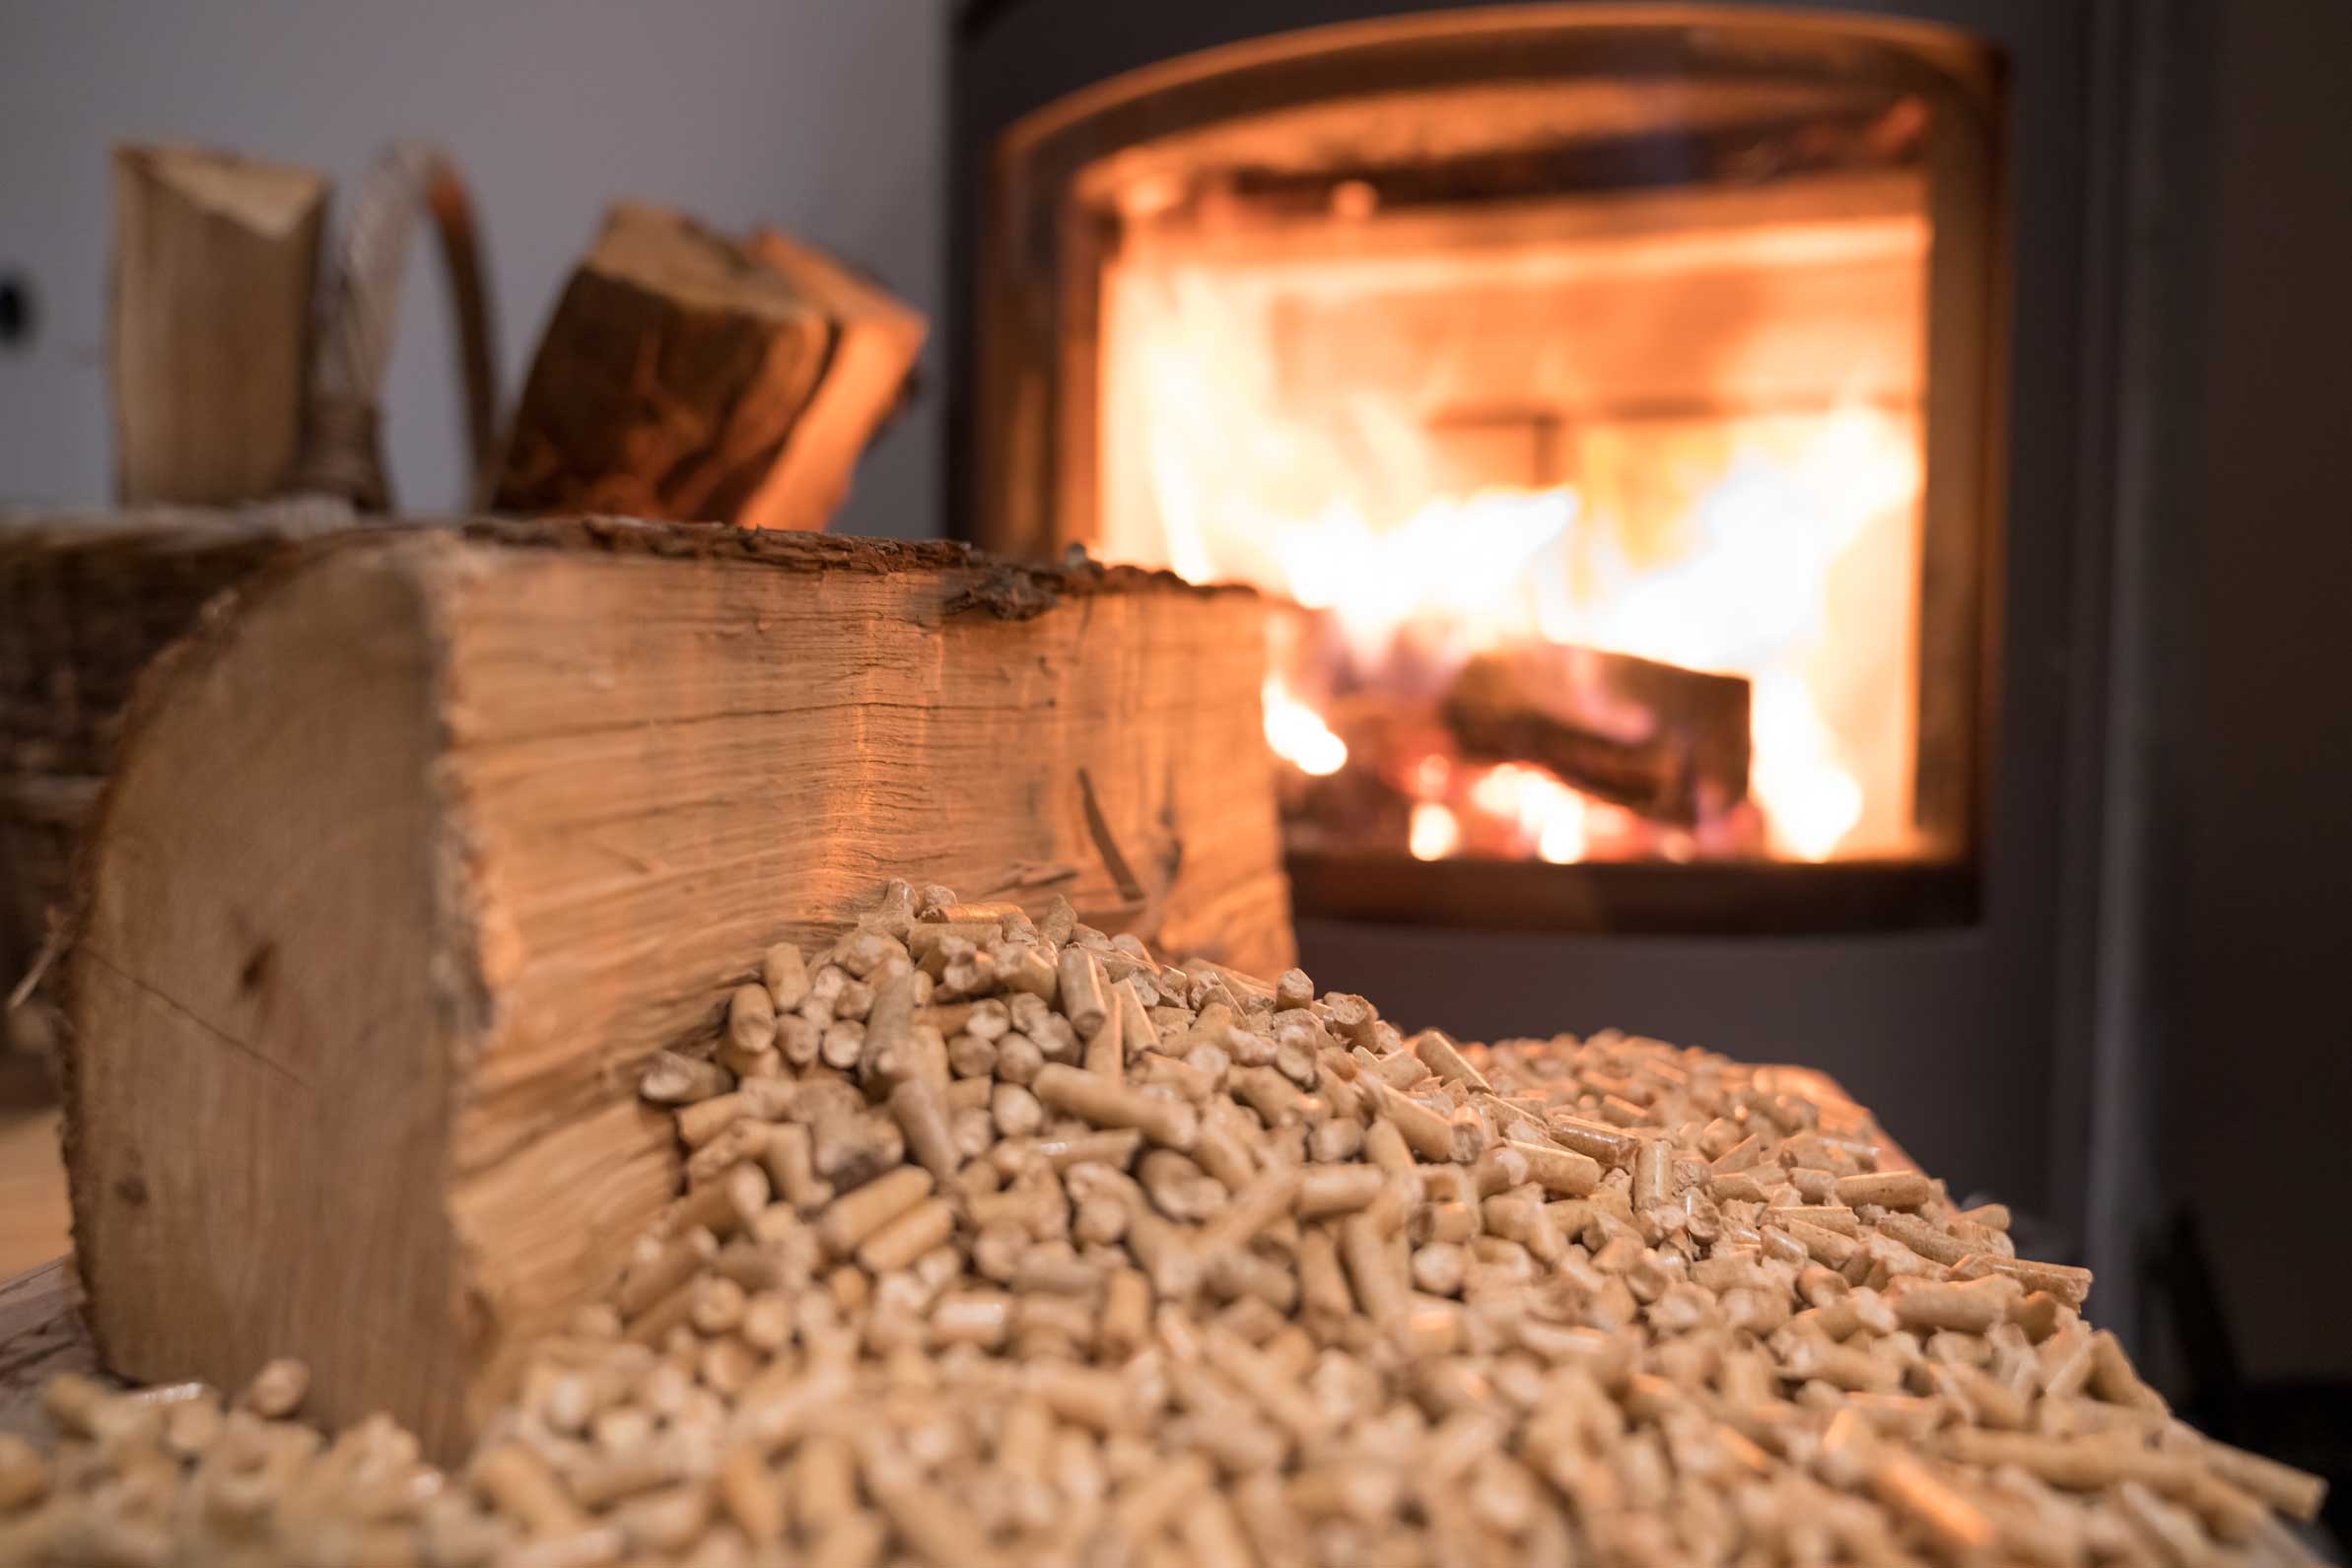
<point x="215" y="261"/>
<point x="409" y="863"/>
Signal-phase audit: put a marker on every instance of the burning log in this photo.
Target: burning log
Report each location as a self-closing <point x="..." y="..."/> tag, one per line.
<point x="415" y="860"/>
<point x="688" y="377"/>
<point x="1655" y="738"/>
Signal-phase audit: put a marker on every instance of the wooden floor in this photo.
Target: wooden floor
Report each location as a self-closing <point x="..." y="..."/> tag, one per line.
<point x="32" y="1214"/>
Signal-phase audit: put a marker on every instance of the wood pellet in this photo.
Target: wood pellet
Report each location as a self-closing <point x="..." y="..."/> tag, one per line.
<point x="1006" y="1242"/>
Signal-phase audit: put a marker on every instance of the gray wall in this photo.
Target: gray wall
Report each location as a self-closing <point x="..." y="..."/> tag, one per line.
<point x="824" y="116"/>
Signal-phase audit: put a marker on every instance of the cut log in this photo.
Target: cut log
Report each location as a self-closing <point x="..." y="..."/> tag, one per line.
<point x="678" y="373"/>
<point x="410" y="864"/>
<point x="215" y="260"/>
<point x="1655" y="738"/>
<point x="876" y="338"/>
<point x="670" y="375"/>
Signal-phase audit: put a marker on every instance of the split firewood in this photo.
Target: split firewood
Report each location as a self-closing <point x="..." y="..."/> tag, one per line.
<point x="876" y="338"/>
<point x="690" y="378"/>
<point x="414" y="860"/>
<point x="1278" y="1287"/>
<point x="1655" y="738"/>
<point x="216" y="259"/>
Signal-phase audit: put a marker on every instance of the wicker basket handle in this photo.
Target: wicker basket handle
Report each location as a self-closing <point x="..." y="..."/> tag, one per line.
<point x="343" y="450"/>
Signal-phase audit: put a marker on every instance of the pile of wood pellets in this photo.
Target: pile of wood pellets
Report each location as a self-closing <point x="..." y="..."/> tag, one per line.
<point x="1004" y="1241"/>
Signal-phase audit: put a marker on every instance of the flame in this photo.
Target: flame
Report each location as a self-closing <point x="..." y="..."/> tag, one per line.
<point x="1562" y="841"/>
<point x="1760" y="546"/>
<point x="1547" y="812"/>
<point x="1298" y="734"/>
<point x="1375" y="583"/>
<point x="1750" y="595"/>
<point x="1812" y="803"/>
<point x="1434" y="834"/>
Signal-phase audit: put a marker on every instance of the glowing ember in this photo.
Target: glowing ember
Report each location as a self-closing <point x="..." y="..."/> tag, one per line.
<point x="1298" y="734"/>
<point x="1563" y="839"/>
<point x="1435" y="834"/>
<point x="1431" y="776"/>
<point x="1547" y="812"/>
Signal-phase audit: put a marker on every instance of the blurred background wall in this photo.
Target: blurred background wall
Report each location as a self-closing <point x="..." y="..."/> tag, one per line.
<point x="2259" y="1114"/>
<point x="823" y="116"/>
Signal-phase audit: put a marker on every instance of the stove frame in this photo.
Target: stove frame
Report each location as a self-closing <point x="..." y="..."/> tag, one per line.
<point x="1038" y="410"/>
<point x="1977" y="1039"/>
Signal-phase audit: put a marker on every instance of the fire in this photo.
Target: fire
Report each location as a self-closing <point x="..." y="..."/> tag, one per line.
<point x="1434" y="834"/>
<point x="1298" y="734"/>
<point x="1545" y="810"/>
<point x="1416" y="578"/>
<point x="1780" y="547"/>
<point x="1812" y="801"/>
<point x="1751" y="594"/>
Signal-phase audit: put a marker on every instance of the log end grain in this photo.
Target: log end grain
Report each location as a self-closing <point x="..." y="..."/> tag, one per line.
<point x="269" y="996"/>
<point x="412" y="861"/>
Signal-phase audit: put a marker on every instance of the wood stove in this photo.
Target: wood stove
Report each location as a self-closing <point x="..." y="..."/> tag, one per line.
<point x="1544" y="360"/>
<point x="1686" y="435"/>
